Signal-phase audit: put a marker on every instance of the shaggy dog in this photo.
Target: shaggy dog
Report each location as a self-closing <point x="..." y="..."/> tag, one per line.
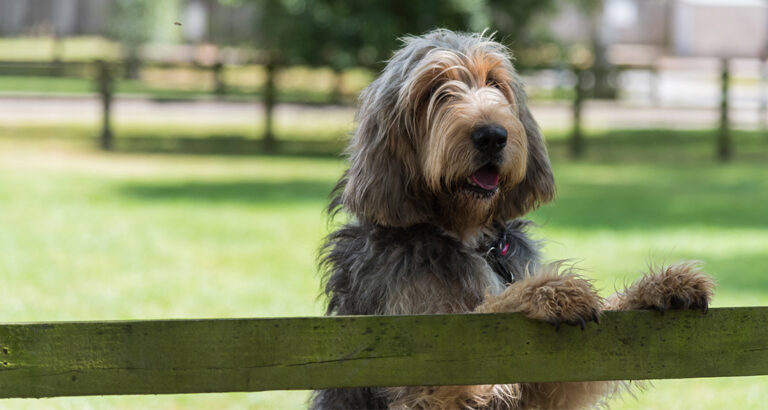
<point x="445" y="159"/>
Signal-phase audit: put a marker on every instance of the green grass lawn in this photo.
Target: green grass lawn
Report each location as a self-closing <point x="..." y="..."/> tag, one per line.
<point x="92" y="236"/>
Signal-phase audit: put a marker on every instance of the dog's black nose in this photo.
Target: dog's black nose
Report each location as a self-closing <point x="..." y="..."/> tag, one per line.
<point x="489" y="139"/>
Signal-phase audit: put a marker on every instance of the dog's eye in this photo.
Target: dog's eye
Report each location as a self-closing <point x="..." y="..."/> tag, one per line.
<point x="490" y="82"/>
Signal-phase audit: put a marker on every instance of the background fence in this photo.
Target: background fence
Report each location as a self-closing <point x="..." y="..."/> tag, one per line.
<point x="106" y="77"/>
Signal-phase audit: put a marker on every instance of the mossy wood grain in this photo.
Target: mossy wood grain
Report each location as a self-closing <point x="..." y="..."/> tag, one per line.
<point x="223" y="355"/>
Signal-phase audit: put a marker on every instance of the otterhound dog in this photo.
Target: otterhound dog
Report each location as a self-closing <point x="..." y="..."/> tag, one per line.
<point x="445" y="160"/>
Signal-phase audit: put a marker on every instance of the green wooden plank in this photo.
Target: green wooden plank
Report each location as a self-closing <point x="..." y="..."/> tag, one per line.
<point x="223" y="355"/>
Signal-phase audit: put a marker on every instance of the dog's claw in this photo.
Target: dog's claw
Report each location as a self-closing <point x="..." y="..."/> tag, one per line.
<point x="705" y="309"/>
<point x="557" y="323"/>
<point x="581" y="323"/>
<point x="596" y="317"/>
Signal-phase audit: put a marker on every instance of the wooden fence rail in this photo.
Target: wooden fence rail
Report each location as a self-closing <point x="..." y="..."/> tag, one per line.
<point x="226" y="355"/>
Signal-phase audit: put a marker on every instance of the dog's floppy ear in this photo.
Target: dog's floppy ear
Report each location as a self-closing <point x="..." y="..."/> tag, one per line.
<point x="538" y="186"/>
<point x="382" y="182"/>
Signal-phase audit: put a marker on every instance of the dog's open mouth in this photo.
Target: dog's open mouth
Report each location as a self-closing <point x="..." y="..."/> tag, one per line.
<point x="485" y="181"/>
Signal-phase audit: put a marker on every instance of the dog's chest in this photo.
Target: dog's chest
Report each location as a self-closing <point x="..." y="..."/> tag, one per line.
<point x="419" y="269"/>
<point x="456" y="288"/>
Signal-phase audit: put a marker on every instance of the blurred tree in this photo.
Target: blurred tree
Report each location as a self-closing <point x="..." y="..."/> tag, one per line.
<point x="341" y="34"/>
<point x="514" y="20"/>
<point x="364" y="34"/>
<point x="164" y="13"/>
<point x="273" y="25"/>
<point x="131" y="24"/>
<point x="603" y="72"/>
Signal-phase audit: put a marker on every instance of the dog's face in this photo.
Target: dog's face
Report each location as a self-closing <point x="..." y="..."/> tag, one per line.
<point x="445" y="137"/>
<point x="471" y="144"/>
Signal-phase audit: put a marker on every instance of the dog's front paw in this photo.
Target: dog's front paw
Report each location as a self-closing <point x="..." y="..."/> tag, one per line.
<point x="679" y="286"/>
<point x="557" y="298"/>
<point x="560" y="299"/>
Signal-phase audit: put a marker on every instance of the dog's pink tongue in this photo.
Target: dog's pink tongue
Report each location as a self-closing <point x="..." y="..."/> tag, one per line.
<point x="486" y="178"/>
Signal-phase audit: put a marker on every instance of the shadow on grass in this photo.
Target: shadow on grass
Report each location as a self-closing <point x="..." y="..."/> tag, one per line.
<point x="656" y="179"/>
<point x="648" y="207"/>
<point x="662" y="146"/>
<point x="631" y="180"/>
<point x="636" y="206"/>
<point x="229" y="145"/>
<point x="250" y="192"/>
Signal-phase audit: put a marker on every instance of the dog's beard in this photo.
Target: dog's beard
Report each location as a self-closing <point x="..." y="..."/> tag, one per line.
<point x="463" y="209"/>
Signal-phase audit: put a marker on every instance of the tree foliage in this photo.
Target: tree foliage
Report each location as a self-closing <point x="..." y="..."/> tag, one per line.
<point x="131" y="23"/>
<point x="343" y="33"/>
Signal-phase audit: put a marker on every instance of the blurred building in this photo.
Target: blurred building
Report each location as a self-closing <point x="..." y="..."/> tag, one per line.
<point x="629" y="28"/>
<point x="709" y="28"/>
<point x="722" y="28"/>
<point x="204" y="20"/>
<point x="60" y="17"/>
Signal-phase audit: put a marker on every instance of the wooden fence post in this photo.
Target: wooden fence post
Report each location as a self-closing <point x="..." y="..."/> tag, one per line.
<point x="219" y="86"/>
<point x="654" y="84"/>
<point x="338" y="85"/>
<point x="724" y="148"/>
<point x="762" y="118"/>
<point x="106" y="88"/>
<point x="577" y="138"/>
<point x="56" y="52"/>
<point x="269" y="104"/>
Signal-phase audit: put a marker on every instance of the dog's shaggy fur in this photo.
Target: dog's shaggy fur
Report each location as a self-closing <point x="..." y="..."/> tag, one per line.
<point x="444" y="161"/>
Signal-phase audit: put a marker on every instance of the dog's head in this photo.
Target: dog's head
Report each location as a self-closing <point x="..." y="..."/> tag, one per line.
<point x="445" y="136"/>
